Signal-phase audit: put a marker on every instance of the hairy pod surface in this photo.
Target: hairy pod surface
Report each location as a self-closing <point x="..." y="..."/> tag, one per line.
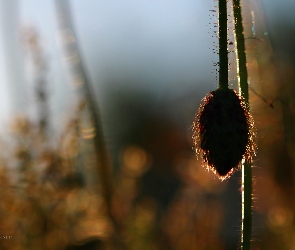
<point x="223" y="132"/>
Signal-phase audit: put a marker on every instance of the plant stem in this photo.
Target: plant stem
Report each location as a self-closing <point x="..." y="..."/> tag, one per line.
<point x="246" y="171"/>
<point x="223" y="55"/>
<point x="240" y="42"/>
<point x="103" y="164"/>
<point x="104" y="167"/>
<point x="246" y="206"/>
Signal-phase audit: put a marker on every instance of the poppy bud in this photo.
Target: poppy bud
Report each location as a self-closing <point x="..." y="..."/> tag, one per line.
<point x="223" y="132"/>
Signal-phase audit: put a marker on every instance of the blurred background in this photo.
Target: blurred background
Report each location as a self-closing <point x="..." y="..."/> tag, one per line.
<point x="97" y="102"/>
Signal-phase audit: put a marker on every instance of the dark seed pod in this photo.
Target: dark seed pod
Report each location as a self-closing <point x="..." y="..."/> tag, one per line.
<point x="223" y="132"/>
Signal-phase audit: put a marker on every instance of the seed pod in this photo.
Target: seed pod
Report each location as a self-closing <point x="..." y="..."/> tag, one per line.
<point x="223" y="132"/>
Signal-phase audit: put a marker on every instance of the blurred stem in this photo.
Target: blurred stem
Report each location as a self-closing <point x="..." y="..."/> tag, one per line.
<point x="223" y="55"/>
<point x="100" y="148"/>
<point x="103" y="163"/>
<point x="247" y="171"/>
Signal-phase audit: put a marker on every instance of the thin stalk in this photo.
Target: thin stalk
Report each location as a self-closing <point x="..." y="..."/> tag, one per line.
<point x="246" y="206"/>
<point x="103" y="164"/>
<point x="246" y="168"/>
<point x="240" y="42"/>
<point x="223" y="55"/>
<point x="71" y="48"/>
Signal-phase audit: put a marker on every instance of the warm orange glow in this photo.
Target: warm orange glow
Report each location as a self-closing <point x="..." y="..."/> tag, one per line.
<point x="135" y="160"/>
<point x="280" y="217"/>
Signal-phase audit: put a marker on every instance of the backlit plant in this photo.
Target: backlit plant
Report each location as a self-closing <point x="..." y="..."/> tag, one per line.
<point x="223" y="129"/>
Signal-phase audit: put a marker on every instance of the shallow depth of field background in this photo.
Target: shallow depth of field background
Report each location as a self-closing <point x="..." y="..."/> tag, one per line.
<point x="150" y="63"/>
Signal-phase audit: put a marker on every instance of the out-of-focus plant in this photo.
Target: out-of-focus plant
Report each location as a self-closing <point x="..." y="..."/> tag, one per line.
<point x="45" y="200"/>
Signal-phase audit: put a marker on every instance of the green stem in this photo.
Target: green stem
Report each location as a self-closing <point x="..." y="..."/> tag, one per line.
<point x="239" y="30"/>
<point x="223" y="55"/>
<point x="247" y="206"/>
<point x="247" y="171"/>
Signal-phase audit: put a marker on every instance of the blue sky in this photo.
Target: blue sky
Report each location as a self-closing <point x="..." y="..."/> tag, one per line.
<point x="163" y="40"/>
<point x="169" y="43"/>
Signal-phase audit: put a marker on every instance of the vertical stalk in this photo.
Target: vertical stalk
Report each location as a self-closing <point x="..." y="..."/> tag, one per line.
<point x="223" y="55"/>
<point x="103" y="164"/>
<point x="246" y="168"/>
<point x="246" y="206"/>
<point x="240" y="42"/>
<point x="71" y="48"/>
